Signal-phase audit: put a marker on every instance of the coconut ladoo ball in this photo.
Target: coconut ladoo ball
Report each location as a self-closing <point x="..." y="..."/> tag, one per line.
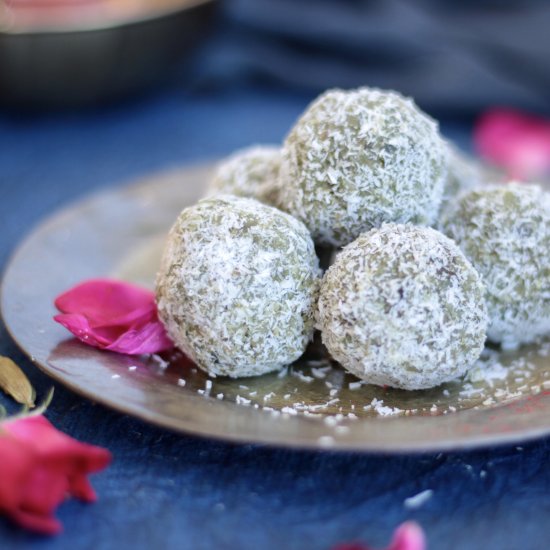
<point x="463" y="173"/>
<point x="252" y="172"/>
<point x="403" y="307"/>
<point x="359" y="158"/>
<point x="505" y="232"/>
<point x="237" y="286"/>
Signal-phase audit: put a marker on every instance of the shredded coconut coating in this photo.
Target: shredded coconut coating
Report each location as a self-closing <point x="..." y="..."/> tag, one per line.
<point x="238" y="285"/>
<point x="252" y="172"/>
<point x="356" y="159"/>
<point x="505" y="232"/>
<point x="402" y="306"/>
<point x="463" y="173"/>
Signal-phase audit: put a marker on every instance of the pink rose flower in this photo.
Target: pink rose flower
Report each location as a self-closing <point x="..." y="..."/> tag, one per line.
<point x="40" y="467"/>
<point x="517" y="142"/>
<point x="113" y="315"/>
<point x="408" y="536"/>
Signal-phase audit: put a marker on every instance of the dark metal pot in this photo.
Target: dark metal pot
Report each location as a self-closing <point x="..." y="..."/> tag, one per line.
<point x="91" y="62"/>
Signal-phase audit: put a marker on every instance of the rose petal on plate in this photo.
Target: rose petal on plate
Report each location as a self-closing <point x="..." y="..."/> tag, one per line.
<point x="150" y="338"/>
<point x="113" y="315"/>
<point x="80" y="327"/>
<point x="105" y="302"/>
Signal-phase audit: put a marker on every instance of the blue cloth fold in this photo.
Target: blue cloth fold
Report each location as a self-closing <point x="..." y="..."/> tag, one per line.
<point x="453" y="57"/>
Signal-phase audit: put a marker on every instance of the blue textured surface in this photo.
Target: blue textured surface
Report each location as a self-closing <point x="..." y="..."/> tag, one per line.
<point x="169" y="491"/>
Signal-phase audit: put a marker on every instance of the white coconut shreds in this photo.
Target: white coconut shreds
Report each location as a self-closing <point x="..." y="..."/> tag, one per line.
<point x="359" y="158"/>
<point x="505" y="232"/>
<point x="401" y="306"/>
<point x="238" y="285"/>
<point x="252" y="172"/>
<point x="463" y="173"/>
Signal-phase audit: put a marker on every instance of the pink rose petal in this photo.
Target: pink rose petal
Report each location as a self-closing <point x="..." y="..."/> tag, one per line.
<point x="80" y="327"/>
<point x="113" y="315"/>
<point x="41" y="467"/>
<point x="150" y="338"/>
<point x="517" y="142"/>
<point x="408" y="536"/>
<point x="107" y="302"/>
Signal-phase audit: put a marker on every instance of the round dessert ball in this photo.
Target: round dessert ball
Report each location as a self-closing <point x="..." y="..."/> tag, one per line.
<point x="252" y="172"/>
<point x="356" y="159"/>
<point x="505" y="231"/>
<point x="402" y="306"/>
<point x="238" y="285"/>
<point x="463" y="173"/>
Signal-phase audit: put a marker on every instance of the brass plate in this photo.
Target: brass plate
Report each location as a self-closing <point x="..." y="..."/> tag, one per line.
<point x="313" y="404"/>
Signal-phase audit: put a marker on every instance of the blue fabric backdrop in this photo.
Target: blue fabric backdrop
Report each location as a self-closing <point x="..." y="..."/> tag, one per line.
<point x="170" y="491"/>
<point x="451" y="55"/>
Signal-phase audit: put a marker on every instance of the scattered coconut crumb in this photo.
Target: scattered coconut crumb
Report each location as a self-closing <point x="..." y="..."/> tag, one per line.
<point x="303" y="377"/>
<point x="470" y="391"/>
<point x="487" y="373"/>
<point x="242" y="400"/>
<point x="341" y="429"/>
<point x="282" y="373"/>
<point x="319" y="372"/>
<point x="315" y="408"/>
<point x="159" y="361"/>
<point x="416" y="501"/>
<point x="378" y="406"/>
<point x="323" y="363"/>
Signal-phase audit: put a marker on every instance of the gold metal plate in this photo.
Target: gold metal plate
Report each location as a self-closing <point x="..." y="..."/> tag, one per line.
<point x="312" y="404"/>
